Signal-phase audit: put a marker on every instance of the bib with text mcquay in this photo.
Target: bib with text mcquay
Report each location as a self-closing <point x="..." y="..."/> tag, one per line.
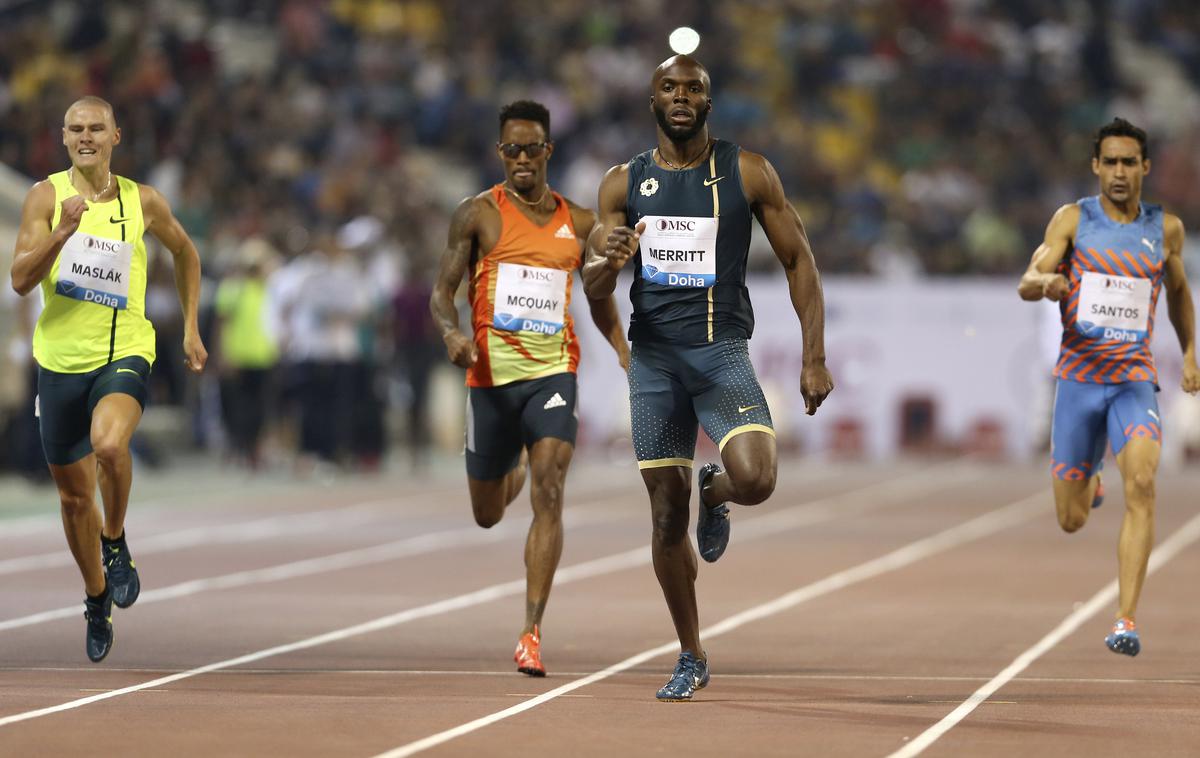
<point x="95" y="270"/>
<point x="679" y="251"/>
<point x="530" y="299"/>
<point x="1114" y="308"/>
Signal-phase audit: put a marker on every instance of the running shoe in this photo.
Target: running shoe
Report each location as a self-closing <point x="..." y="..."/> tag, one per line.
<point x="529" y="653"/>
<point x="1124" y="638"/>
<point x="690" y="674"/>
<point x="1098" y="498"/>
<point x="99" y="625"/>
<point x="122" y="573"/>
<point x="712" y="523"/>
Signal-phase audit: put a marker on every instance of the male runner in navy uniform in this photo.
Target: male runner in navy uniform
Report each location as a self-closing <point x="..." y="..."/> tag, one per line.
<point x="683" y="212"/>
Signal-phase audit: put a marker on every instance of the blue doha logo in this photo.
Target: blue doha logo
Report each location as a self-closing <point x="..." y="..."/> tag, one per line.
<point x="677" y="279"/>
<point x="76" y="292"/>
<point x="508" y="322"/>
<point x="1109" y="333"/>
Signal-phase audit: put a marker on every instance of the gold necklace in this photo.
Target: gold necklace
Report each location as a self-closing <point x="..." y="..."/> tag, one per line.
<point x="517" y="195"/>
<point x="682" y="166"/>
<point x="94" y="198"/>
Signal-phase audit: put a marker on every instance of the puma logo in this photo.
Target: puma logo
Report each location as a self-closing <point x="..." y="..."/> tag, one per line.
<point x="1148" y="243"/>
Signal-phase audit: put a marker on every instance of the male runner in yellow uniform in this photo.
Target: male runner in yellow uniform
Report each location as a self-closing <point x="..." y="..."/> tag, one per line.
<point x="81" y="239"/>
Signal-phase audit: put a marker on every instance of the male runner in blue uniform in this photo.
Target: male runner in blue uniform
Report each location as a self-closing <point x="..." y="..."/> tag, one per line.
<point x="683" y="212"/>
<point x="1105" y="260"/>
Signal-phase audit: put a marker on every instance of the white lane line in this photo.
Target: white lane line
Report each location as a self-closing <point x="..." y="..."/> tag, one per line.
<point x="246" y="531"/>
<point x="882" y="493"/>
<point x="1178" y="541"/>
<point x="280" y="525"/>
<point x="557" y="673"/>
<point x="388" y="551"/>
<point x="24" y="526"/>
<point x="977" y="528"/>
<point x="852" y="502"/>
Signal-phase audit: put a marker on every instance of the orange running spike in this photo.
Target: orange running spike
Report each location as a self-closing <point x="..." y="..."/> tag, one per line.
<point x="528" y="655"/>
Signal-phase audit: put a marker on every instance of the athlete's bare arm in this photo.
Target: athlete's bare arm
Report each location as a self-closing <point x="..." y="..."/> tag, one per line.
<point x="37" y="244"/>
<point x="1179" y="300"/>
<point x="1042" y="279"/>
<point x="612" y="243"/>
<point x="461" y="242"/>
<point x="785" y="231"/>
<point x="603" y="309"/>
<point x="161" y="222"/>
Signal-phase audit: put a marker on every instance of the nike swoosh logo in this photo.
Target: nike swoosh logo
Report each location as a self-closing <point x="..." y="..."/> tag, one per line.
<point x="744" y="408"/>
<point x="711" y="182"/>
<point x="112" y="220"/>
<point x="129" y="370"/>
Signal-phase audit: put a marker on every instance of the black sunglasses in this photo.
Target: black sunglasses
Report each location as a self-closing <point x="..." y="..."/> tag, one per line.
<point x="513" y="150"/>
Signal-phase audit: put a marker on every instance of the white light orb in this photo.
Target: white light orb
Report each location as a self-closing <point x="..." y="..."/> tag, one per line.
<point x="684" y="40"/>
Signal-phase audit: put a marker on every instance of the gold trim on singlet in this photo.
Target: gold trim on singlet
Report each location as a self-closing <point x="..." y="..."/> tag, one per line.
<point x="712" y="175"/>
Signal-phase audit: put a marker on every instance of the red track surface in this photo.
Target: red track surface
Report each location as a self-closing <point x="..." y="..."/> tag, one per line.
<point x="859" y="666"/>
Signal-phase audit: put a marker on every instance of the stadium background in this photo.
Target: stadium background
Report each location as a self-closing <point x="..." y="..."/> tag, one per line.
<point x="925" y="143"/>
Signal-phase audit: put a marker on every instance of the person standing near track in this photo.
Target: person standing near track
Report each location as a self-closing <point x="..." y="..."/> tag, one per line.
<point x="683" y="213"/>
<point x="1105" y="259"/>
<point x="81" y="239"/>
<point x="521" y="241"/>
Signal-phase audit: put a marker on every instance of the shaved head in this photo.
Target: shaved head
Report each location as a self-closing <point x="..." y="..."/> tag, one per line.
<point x="91" y="101"/>
<point x="678" y="66"/>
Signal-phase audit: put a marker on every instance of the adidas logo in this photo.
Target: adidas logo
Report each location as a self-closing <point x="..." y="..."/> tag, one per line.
<point x="564" y="232"/>
<point x="554" y="402"/>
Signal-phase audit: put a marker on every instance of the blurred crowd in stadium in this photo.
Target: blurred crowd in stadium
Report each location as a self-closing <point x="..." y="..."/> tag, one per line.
<point x="314" y="148"/>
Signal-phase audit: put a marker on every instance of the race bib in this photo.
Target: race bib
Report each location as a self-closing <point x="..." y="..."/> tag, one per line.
<point x="95" y="270"/>
<point x="530" y="299"/>
<point x="1113" y="307"/>
<point x="679" y="251"/>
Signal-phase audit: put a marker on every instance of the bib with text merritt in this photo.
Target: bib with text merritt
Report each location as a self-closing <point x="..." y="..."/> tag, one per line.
<point x="95" y="270"/>
<point x="530" y="299"/>
<point x="1113" y="307"/>
<point x="680" y="251"/>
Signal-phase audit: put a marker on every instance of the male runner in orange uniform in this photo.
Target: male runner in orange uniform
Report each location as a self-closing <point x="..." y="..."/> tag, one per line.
<point x="521" y="243"/>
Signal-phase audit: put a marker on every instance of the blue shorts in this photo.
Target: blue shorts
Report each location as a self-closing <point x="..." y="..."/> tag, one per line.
<point x="675" y="388"/>
<point x="1086" y="415"/>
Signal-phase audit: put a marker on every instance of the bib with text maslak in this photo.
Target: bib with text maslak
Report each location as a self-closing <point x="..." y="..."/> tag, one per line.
<point x="680" y="251"/>
<point x="95" y="270"/>
<point x="530" y="299"/>
<point x="1113" y="307"/>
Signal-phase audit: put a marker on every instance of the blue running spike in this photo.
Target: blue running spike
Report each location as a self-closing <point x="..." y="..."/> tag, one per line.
<point x="712" y="522"/>
<point x="690" y="674"/>
<point x="1124" y="638"/>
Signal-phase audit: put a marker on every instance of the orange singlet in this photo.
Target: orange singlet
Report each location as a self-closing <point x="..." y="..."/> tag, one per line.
<point x="520" y="293"/>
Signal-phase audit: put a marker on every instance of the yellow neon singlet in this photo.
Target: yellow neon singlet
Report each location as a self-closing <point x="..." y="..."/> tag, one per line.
<point x="73" y="336"/>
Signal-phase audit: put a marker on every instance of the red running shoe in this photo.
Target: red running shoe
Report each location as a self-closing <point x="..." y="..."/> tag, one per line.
<point x="529" y="654"/>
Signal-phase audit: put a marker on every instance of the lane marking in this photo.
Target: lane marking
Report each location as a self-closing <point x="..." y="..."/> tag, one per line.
<point x="557" y="673"/>
<point x="358" y="557"/>
<point x="248" y="531"/>
<point x="638" y="556"/>
<point x="977" y="528"/>
<point x="1181" y="539"/>
<point x="281" y="525"/>
<point x="877" y="495"/>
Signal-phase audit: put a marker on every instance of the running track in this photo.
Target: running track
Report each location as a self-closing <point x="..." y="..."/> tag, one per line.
<point x="930" y="608"/>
